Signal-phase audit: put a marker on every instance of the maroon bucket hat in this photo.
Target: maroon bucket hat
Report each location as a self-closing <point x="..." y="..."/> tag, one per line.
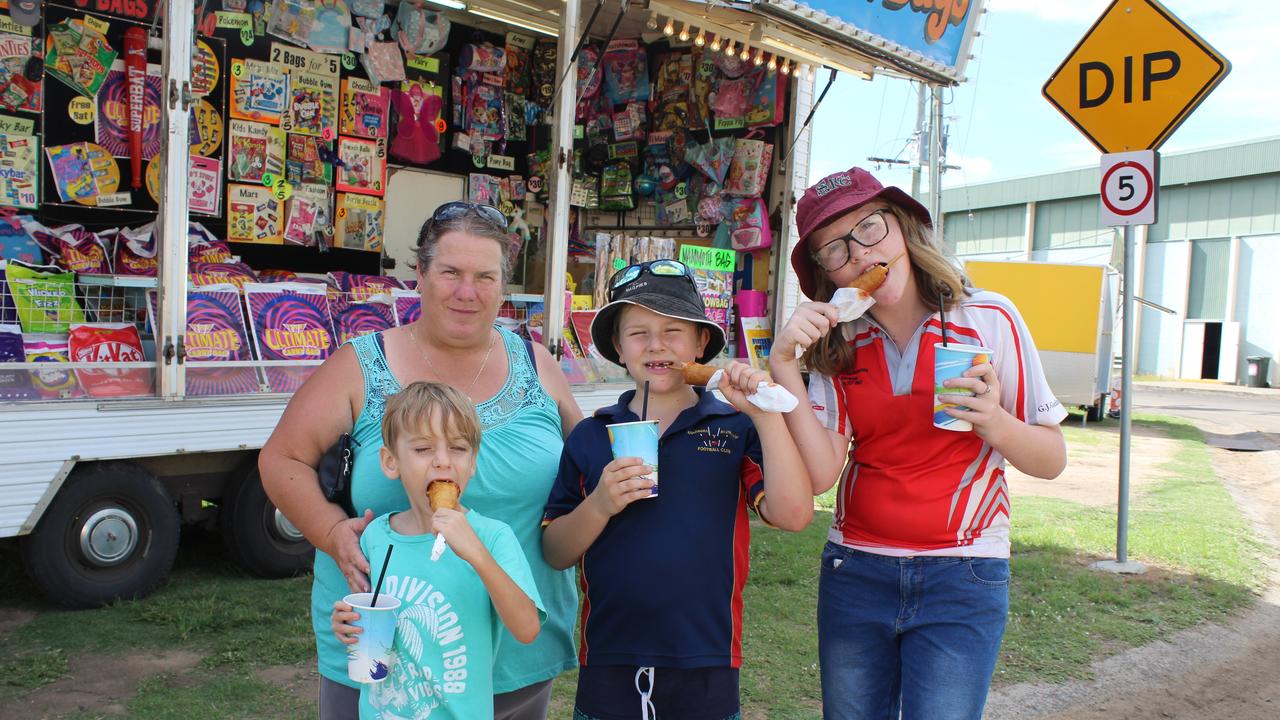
<point x="832" y="197"/>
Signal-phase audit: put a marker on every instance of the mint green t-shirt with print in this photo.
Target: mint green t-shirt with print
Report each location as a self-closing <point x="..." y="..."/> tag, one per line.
<point x="447" y="628"/>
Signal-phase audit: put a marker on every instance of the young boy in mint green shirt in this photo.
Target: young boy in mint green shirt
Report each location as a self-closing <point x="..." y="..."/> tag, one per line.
<point x="450" y="608"/>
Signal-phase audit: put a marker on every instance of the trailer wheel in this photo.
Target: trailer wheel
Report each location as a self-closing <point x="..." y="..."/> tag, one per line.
<point x="258" y="535"/>
<point x="110" y="533"/>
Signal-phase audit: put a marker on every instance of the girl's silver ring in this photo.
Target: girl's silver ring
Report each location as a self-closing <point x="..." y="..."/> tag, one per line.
<point x="986" y="392"/>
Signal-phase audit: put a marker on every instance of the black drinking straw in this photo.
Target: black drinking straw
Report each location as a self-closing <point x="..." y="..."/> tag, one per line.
<point x="644" y="404"/>
<point x="942" y="315"/>
<point x="381" y="573"/>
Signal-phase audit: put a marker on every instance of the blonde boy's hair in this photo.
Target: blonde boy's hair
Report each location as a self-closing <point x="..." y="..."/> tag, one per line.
<point x="412" y="409"/>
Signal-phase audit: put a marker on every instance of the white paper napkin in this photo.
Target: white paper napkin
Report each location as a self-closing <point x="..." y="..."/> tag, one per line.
<point x="437" y="548"/>
<point x="769" y="397"/>
<point x="851" y="303"/>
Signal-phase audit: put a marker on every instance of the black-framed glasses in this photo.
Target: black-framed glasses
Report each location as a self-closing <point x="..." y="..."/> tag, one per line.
<point x="662" y="268"/>
<point x="452" y="210"/>
<point x="869" y="231"/>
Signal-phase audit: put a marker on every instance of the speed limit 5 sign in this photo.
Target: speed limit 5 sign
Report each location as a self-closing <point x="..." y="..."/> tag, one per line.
<point x="1128" y="188"/>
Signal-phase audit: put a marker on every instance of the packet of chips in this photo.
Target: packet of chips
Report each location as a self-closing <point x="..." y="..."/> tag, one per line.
<point x="44" y="297"/>
<point x="79" y="56"/>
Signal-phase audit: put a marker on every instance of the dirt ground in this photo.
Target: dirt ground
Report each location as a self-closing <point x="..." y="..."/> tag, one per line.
<point x="1207" y="673"/>
<point x="1214" y="672"/>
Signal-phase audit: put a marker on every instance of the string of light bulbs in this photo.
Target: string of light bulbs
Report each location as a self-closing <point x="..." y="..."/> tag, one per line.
<point x="774" y="62"/>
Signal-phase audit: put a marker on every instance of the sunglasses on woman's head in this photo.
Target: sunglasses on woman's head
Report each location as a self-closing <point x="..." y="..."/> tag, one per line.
<point x="663" y="268"/>
<point x="453" y="210"/>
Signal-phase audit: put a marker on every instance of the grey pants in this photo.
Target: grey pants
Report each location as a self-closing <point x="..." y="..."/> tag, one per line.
<point x="339" y="702"/>
<point x="527" y="703"/>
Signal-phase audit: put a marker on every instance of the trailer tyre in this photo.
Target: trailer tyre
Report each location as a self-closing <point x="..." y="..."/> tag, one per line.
<point x="257" y="535"/>
<point x="110" y="533"/>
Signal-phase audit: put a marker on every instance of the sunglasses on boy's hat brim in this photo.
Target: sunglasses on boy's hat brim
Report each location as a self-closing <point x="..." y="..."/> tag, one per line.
<point x="453" y="210"/>
<point x="661" y="268"/>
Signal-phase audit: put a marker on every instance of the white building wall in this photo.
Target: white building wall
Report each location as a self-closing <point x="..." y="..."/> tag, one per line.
<point x="791" y="297"/>
<point x="1165" y="282"/>
<point x="1257" y="300"/>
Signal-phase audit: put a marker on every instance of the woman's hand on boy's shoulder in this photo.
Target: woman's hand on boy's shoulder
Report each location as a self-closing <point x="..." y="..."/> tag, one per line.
<point x="741" y="380"/>
<point x="620" y="485"/>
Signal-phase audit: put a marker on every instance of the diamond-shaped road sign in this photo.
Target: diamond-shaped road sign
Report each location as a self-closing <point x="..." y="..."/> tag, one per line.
<point x="1134" y="77"/>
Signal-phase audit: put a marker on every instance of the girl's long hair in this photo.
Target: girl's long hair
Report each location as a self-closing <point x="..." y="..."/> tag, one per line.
<point x="937" y="274"/>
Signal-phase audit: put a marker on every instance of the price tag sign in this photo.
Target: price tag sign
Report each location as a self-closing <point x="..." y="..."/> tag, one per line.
<point x="82" y="110"/>
<point x="349" y="60"/>
<point x="282" y="189"/>
<point x="708" y="258"/>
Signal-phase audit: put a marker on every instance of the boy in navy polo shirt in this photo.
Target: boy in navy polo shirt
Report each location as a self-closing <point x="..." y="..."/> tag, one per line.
<point x="662" y="576"/>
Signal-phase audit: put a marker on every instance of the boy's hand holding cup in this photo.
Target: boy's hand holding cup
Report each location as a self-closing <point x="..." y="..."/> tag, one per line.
<point x="621" y="483"/>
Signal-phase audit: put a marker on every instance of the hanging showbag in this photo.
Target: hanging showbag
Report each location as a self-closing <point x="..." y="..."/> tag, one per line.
<point x="420" y="31"/>
<point x="749" y="170"/>
<point x="383" y="62"/>
<point x="749" y="225"/>
<point x="767" y="100"/>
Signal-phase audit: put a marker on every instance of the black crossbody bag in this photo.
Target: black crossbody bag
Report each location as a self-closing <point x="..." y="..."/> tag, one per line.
<point x="334" y="472"/>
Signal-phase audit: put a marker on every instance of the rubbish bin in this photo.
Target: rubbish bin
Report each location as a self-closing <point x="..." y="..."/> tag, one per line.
<point x="1258" y="365"/>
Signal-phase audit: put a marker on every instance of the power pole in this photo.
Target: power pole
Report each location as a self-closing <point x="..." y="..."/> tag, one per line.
<point x="915" y="168"/>
<point x="935" y="160"/>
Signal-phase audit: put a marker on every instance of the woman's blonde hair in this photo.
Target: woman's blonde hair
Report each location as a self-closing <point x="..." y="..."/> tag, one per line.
<point x="938" y="277"/>
<point x="413" y="407"/>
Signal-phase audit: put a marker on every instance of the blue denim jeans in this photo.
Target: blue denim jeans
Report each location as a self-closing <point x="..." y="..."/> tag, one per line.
<point x="917" y="635"/>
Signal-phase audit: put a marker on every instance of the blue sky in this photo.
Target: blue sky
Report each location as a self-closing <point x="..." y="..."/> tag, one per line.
<point x="1001" y="127"/>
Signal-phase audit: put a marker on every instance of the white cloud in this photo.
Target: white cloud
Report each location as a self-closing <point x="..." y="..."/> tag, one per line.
<point x="973" y="169"/>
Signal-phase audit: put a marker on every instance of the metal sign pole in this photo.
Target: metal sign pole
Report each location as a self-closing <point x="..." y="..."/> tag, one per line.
<point x="1126" y="402"/>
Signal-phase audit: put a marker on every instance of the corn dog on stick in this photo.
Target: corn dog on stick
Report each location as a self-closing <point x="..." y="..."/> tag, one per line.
<point x="697" y="374"/>
<point x="442" y="495"/>
<point x="872" y="279"/>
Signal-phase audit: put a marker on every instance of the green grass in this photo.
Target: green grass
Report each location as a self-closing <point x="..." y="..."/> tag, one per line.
<point x="1063" y="615"/>
<point x="239" y="625"/>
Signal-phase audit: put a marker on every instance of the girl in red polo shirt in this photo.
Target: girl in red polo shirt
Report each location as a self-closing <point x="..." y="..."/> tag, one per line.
<point x="913" y="593"/>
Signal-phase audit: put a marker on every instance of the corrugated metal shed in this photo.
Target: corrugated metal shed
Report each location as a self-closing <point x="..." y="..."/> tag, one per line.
<point x="1217" y="163"/>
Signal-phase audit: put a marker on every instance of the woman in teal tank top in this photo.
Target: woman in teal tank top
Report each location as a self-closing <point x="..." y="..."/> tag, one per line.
<point x="526" y="409"/>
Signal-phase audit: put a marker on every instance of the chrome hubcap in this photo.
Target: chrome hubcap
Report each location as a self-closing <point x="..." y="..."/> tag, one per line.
<point x="108" y="537"/>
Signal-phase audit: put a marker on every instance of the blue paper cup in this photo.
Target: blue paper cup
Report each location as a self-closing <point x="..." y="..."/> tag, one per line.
<point x="950" y="361"/>
<point x="637" y="439"/>
<point x="369" y="660"/>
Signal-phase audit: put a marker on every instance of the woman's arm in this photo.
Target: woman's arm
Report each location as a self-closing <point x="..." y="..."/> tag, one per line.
<point x="319" y="412"/>
<point x="1037" y="450"/>
<point x="824" y="451"/>
<point x="557" y="386"/>
<point x="788" y="496"/>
